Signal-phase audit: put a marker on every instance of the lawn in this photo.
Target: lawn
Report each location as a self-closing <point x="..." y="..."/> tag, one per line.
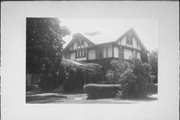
<point x="82" y="99"/>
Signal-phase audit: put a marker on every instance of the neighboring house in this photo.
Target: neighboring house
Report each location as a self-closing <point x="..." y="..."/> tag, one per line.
<point x="126" y="47"/>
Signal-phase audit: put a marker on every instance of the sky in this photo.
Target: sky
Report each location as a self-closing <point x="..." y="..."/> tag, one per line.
<point x="107" y="30"/>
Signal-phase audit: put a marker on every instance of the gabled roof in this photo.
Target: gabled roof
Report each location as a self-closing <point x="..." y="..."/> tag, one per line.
<point x="75" y="36"/>
<point x="79" y="35"/>
<point x="135" y="34"/>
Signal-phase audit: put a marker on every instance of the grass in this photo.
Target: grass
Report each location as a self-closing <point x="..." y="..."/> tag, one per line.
<point x="82" y="99"/>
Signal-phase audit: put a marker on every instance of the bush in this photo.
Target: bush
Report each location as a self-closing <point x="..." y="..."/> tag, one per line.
<point x="152" y="88"/>
<point x="133" y="77"/>
<point x="72" y="75"/>
<point x="95" y="91"/>
<point x="118" y="68"/>
<point x="49" y="82"/>
<point x="78" y="74"/>
<point x="110" y="77"/>
<point x="153" y="61"/>
<point x="74" y="81"/>
<point x="93" y="73"/>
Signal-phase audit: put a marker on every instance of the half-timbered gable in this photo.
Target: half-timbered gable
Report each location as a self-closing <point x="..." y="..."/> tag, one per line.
<point x="131" y="44"/>
<point x="128" y="46"/>
<point x="77" y="48"/>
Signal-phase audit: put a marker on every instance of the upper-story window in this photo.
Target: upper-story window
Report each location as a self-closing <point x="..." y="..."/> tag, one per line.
<point x="129" y="41"/>
<point x="80" y="44"/>
<point x="81" y="53"/>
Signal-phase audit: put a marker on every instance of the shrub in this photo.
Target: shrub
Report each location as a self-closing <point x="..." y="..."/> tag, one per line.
<point x="74" y="81"/>
<point x="48" y="82"/>
<point x="118" y="67"/>
<point x="153" y="61"/>
<point x="133" y="77"/>
<point x="72" y="75"/>
<point x="110" y="77"/>
<point x="95" y="91"/>
<point x="93" y="73"/>
<point x="78" y="74"/>
<point x="152" y="88"/>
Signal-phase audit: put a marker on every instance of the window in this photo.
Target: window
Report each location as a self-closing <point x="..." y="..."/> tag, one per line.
<point x="80" y="44"/>
<point x="99" y="54"/>
<point x="80" y="53"/>
<point x="105" y="52"/>
<point x="121" y="52"/>
<point x="129" y="41"/>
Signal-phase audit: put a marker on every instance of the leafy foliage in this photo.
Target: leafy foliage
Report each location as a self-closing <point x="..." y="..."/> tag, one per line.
<point x="77" y="74"/>
<point x="110" y="77"/>
<point x="74" y="81"/>
<point x="133" y="77"/>
<point x="95" y="91"/>
<point x="44" y="49"/>
<point x="144" y="56"/>
<point x="153" y="61"/>
<point x="94" y="73"/>
<point x="118" y="68"/>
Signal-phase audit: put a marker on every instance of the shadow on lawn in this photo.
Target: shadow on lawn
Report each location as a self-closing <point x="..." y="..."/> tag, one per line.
<point x="43" y="99"/>
<point x="146" y="98"/>
<point x="83" y="98"/>
<point x="137" y="99"/>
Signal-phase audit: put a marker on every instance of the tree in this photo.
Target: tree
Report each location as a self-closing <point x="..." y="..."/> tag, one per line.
<point x="153" y="61"/>
<point x="44" y="46"/>
<point x="144" y="56"/>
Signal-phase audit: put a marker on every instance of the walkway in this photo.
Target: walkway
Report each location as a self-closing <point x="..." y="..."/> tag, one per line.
<point x="82" y="98"/>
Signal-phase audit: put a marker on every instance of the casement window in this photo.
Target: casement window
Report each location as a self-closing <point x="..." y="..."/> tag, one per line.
<point x="99" y="53"/>
<point x="80" y="44"/>
<point x="105" y="52"/>
<point x="121" y="52"/>
<point x="81" y="53"/>
<point x="129" y="41"/>
<point x="134" y="53"/>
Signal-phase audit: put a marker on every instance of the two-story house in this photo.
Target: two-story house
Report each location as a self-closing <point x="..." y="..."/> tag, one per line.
<point x="126" y="47"/>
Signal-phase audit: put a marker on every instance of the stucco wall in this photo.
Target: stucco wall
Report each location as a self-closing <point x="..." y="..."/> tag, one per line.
<point x="138" y="55"/>
<point x="104" y="52"/>
<point x="80" y="59"/>
<point x="110" y="51"/>
<point x="91" y="54"/>
<point x="127" y="54"/>
<point x="123" y="41"/>
<point x="134" y="43"/>
<point x="74" y="45"/>
<point x="85" y="44"/>
<point x="116" y="53"/>
<point x="73" y="56"/>
<point x="107" y="51"/>
<point x="138" y="47"/>
<point x="134" y="53"/>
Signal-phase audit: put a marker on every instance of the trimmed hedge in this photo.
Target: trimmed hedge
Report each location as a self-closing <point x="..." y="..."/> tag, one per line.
<point x="95" y="91"/>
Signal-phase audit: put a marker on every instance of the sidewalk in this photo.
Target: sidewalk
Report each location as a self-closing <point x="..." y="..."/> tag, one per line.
<point x="82" y="98"/>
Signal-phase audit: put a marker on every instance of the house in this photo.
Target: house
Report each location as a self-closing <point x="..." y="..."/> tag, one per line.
<point x="126" y="47"/>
